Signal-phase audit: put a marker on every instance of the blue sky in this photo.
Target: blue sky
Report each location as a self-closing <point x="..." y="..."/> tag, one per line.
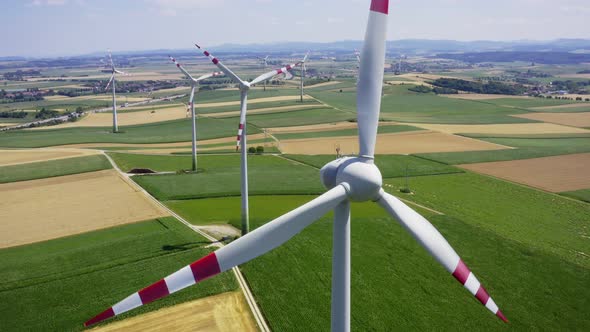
<point x="69" y="27"/>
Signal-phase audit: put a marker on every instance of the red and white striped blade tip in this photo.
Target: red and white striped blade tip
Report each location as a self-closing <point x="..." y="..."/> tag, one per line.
<point x="200" y="270"/>
<point x="464" y="275"/>
<point x="381" y="6"/>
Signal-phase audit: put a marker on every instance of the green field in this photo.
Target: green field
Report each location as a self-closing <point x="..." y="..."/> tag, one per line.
<point x="524" y="257"/>
<point x="59" y="284"/>
<point x="259" y="105"/>
<point x="391" y="166"/>
<point x="528" y="102"/>
<point x="161" y="132"/>
<point x="525" y="148"/>
<point x="399" y="104"/>
<point x="386" y="129"/>
<point x="47" y="169"/>
<point x="582" y="108"/>
<point x="583" y="195"/>
<point x="219" y="175"/>
<point x="298" y="118"/>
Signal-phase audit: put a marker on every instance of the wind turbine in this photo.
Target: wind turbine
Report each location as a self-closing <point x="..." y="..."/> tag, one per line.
<point x="241" y="138"/>
<point x="303" y="74"/>
<point x="347" y="179"/>
<point x="114" y="71"/>
<point x="265" y="62"/>
<point x="191" y="105"/>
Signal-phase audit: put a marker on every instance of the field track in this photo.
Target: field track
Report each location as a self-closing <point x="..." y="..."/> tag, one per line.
<point x="39" y="210"/>
<point x="395" y="143"/>
<point x="581" y="119"/>
<point x="223" y="312"/>
<point x="16" y="157"/>
<point x="555" y="174"/>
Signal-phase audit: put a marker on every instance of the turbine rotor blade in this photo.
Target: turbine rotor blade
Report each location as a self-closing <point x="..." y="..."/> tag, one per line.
<point x="370" y="81"/>
<point x="184" y="71"/>
<point x="110" y="81"/>
<point x="223" y="68"/>
<point x="272" y="73"/>
<point x="246" y="248"/>
<point x="111" y="60"/>
<point x="213" y="74"/>
<point x="438" y="247"/>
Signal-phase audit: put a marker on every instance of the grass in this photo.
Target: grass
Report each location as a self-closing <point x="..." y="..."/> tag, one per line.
<point x="161" y="132"/>
<point x="390" y="165"/>
<point x="51" y="168"/>
<point x="528" y="102"/>
<point x="59" y="284"/>
<point x="253" y="106"/>
<point x="583" y="195"/>
<point x="525" y="148"/>
<point x="582" y="108"/>
<point x="344" y="132"/>
<point x="298" y="118"/>
<point x="219" y="175"/>
<point x="401" y="105"/>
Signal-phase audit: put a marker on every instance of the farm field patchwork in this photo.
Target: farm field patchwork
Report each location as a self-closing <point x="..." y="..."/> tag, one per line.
<point x="384" y="129"/>
<point x="81" y="275"/>
<point x="298" y="118"/>
<point x="162" y="132"/>
<point x="46" y="169"/>
<point x="44" y="209"/>
<point x="505" y="129"/>
<point x="395" y="143"/>
<point x="555" y="174"/>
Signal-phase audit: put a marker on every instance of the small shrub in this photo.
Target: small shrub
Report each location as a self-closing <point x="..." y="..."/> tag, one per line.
<point x="251" y="149"/>
<point x="260" y="149"/>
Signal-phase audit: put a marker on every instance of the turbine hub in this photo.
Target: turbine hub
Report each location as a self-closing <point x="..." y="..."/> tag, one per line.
<point x="362" y="176"/>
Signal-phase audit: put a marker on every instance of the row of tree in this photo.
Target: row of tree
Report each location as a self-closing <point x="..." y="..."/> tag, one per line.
<point x="479" y="87"/>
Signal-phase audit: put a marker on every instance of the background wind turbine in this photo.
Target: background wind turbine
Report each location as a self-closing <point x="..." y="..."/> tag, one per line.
<point x="348" y="179"/>
<point x="241" y="138"/>
<point x="265" y="65"/>
<point x="112" y="81"/>
<point x="191" y="105"/>
<point x="303" y="74"/>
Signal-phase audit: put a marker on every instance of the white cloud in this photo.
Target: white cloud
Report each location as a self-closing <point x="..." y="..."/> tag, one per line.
<point x="46" y="3"/>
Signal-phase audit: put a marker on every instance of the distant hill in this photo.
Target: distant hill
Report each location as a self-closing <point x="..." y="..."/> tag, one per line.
<point x="547" y="57"/>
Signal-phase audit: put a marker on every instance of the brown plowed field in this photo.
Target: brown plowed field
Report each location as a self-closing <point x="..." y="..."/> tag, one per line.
<point x="223" y="312"/>
<point x="555" y="174"/>
<point x="396" y="143"/>
<point x="38" y="210"/>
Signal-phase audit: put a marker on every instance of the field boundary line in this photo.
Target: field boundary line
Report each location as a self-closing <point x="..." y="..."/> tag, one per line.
<point x="255" y="310"/>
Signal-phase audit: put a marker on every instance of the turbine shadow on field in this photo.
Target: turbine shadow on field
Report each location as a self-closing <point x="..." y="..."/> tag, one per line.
<point x="185" y="246"/>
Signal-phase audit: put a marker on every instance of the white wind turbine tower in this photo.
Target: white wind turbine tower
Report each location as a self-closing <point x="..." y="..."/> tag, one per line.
<point x="347" y="179"/>
<point x="114" y="71"/>
<point x="303" y="74"/>
<point x="265" y="64"/>
<point x="191" y="105"/>
<point x="241" y="138"/>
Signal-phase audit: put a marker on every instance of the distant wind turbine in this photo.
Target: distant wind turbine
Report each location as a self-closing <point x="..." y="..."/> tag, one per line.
<point x="303" y="74"/>
<point x="241" y="138"/>
<point x="114" y="71"/>
<point x="191" y="105"/>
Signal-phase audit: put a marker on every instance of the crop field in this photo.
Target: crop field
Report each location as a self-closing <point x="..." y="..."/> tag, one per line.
<point x="393" y="143"/>
<point x="555" y="174"/>
<point x="386" y="129"/>
<point x="524" y="148"/>
<point x="531" y="102"/>
<point x="46" y="169"/>
<point x="17" y="157"/>
<point x="521" y="243"/>
<point x="583" y="195"/>
<point x="79" y="275"/>
<point x="298" y="118"/>
<point x="44" y="209"/>
<point x="162" y="132"/>
<point x="219" y="176"/>
<point x="508" y="129"/>
<point x="581" y="119"/>
<point x="578" y="107"/>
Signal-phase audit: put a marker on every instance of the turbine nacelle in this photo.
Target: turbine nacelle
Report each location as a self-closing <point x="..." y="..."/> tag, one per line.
<point x="361" y="178"/>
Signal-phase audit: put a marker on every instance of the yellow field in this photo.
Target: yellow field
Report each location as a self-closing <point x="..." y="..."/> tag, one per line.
<point x="581" y="119"/>
<point x="39" y="210"/>
<point x="396" y="143"/>
<point x="223" y="312"/>
<point x="15" y="157"/>
<point x="511" y="128"/>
